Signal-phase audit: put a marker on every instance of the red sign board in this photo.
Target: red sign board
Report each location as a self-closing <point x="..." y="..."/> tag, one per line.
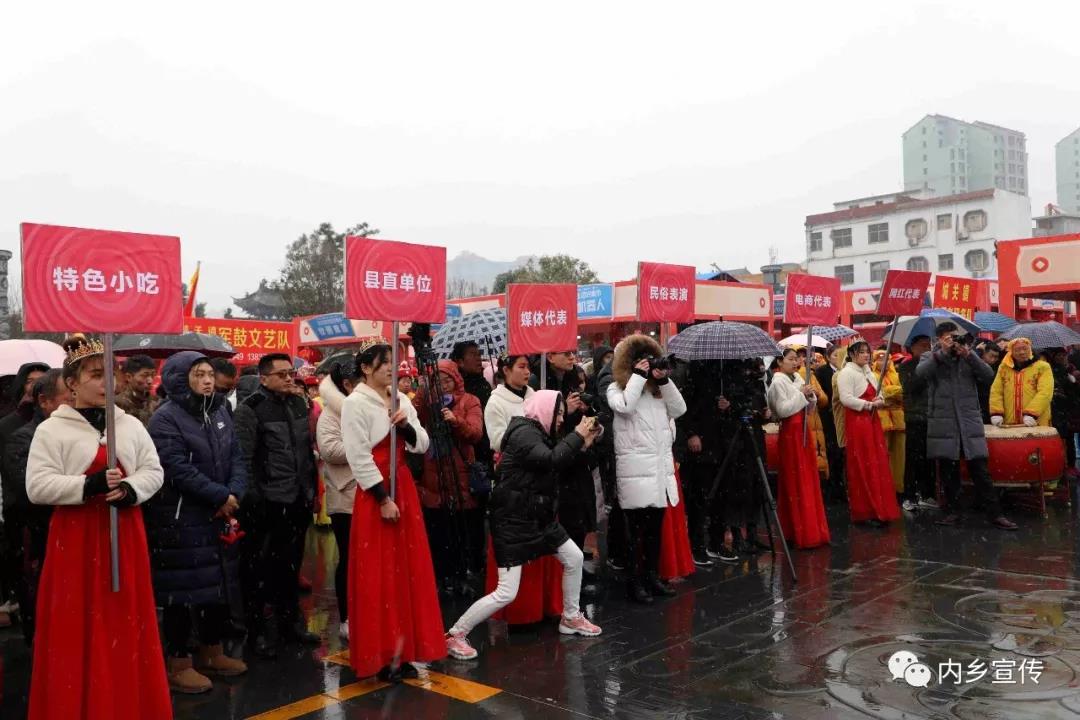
<point x="250" y="338"/>
<point x="390" y="280"/>
<point x="541" y="318"/>
<point x="903" y="292"/>
<point x="812" y="300"/>
<point x="100" y="281"/>
<point x="666" y="293"/>
<point x="955" y="294"/>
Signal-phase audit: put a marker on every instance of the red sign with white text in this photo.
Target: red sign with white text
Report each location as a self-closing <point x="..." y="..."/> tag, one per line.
<point x="903" y="292"/>
<point x="390" y="280"/>
<point x="666" y="293"/>
<point x="812" y="300"/>
<point x="250" y="338"/>
<point x="956" y="294"/>
<point x="541" y="318"/>
<point x="100" y="281"/>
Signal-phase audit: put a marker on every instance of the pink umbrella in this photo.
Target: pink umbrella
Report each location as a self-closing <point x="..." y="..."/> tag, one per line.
<point x="16" y="353"/>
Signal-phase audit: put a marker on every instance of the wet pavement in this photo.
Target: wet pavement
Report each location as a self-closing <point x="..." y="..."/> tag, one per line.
<point x="738" y="641"/>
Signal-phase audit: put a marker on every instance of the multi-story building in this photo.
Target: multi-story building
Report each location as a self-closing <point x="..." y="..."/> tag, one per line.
<point x="859" y="240"/>
<point x="1068" y="172"/>
<point x="946" y="156"/>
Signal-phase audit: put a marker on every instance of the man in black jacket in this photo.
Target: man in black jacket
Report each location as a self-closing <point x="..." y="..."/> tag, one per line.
<point x="919" y="486"/>
<point x="835" y="453"/>
<point x="272" y="425"/>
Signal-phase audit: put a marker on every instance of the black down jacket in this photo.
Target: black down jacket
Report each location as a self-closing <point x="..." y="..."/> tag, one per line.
<point x="276" y="437"/>
<point x="203" y="465"/>
<point x="954" y="420"/>
<point x="523" y="506"/>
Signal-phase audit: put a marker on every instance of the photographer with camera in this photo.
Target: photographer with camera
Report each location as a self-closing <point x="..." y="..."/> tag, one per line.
<point x="577" y="491"/>
<point x="954" y="423"/>
<point x="645" y="404"/>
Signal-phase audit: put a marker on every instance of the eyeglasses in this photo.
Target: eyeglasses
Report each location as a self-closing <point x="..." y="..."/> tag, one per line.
<point x="282" y="374"/>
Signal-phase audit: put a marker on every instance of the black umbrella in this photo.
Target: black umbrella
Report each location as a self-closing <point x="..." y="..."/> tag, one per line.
<point x="163" y="346"/>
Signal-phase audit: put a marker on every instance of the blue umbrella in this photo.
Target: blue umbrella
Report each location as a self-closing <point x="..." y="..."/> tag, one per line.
<point x="909" y="326"/>
<point x="994" y="322"/>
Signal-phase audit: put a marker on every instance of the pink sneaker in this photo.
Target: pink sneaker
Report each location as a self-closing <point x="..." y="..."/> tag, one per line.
<point x="578" y="626"/>
<point x="458" y="647"/>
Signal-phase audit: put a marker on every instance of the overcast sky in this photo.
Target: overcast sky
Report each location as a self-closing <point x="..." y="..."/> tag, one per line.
<point x="684" y="132"/>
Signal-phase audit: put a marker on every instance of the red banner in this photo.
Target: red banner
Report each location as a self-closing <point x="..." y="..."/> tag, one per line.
<point x="956" y="294"/>
<point x="250" y="338"/>
<point x="812" y="300"/>
<point x="666" y="293"/>
<point x="100" y="281"/>
<point x="541" y="318"/>
<point x="903" y="292"/>
<point x="390" y="280"/>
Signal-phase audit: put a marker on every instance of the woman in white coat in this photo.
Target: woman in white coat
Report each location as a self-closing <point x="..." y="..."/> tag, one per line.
<point x="507" y="400"/>
<point x="645" y="403"/>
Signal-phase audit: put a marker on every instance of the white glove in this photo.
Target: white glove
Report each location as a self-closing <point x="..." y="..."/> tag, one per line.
<point x="1030" y="421"/>
<point x="997" y="420"/>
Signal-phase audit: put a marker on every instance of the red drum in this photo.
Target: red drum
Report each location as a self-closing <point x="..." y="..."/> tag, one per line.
<point x="1021" y="455"/>
<point x="772" y="447"/>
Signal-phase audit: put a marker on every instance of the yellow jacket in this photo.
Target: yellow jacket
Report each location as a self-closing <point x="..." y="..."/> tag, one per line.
<point x="817" y="428"/>
<point x="1015" y="394"/>
<point x="892" y="415"/>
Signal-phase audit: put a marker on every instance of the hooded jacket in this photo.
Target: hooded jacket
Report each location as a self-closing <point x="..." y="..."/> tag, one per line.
<point x="337" y="475"/>
<point x="892" y="415"/>
<point x="203" y="464"/>
<point x="466" y="431"/>
<point x="953" y="418"/>
<point x="592" y="384"/>
<point x="644" y="428"/>
<point x="524" y="503"/>
<point x="1020" y="390"/>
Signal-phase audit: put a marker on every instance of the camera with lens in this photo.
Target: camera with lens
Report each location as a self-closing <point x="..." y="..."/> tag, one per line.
<point x="962" y="338"/>
<point x="657" y="363"/>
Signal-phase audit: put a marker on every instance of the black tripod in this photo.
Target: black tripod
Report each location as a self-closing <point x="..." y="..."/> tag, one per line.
<point x="442" y="449"/>
<point x="745" y="434"/>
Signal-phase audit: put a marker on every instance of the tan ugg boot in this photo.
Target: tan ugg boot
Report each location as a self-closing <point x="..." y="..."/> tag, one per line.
<point x="212" y="660"/>
<point x="184" y="679"/>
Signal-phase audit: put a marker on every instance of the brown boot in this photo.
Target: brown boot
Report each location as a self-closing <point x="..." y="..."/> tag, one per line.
<point x="184" y="679"/>
<point x="212" y="660"/>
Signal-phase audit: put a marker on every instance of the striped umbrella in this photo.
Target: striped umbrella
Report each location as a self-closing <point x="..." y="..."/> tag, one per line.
<point x="486" y="328"/>
<point x="994" y="322"/>
<point x="1049" y="334"/>
<point x="722" y="340"/>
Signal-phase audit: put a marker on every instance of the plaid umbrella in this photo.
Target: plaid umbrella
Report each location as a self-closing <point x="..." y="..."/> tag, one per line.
<point x="909" y="326"/>
<point x="722" y="340"/>
<point x="1049" y="334"/>
<point x="163" y="346"/>
<point x="994" y="322"/>
<point x="486" y="328"/>
<point x="833" y="333"/>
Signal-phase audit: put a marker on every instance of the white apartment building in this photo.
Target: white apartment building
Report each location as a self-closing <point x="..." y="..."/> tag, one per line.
<point x="946" y="156"/>
<point x="1067" y="154"/>
<point x="859" y="240"/>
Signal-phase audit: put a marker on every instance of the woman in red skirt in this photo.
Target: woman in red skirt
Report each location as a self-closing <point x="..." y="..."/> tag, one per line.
<point x="870" y="487"/>
<point x="97" y="653"/>
<point x="798" y="492"/>
<point x="394" y="614"/>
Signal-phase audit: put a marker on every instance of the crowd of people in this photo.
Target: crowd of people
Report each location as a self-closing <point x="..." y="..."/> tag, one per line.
<point x="220" y="473"/>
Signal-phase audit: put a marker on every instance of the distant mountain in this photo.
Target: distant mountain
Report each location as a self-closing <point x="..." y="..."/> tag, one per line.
<point x="470" y="274"/>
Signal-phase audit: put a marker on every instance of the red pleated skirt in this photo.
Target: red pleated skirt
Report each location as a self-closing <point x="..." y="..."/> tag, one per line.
<point x="676" y="560"/>
<point x="539" y="594"/>
<point x="394" y="610"/>
<point x="871" y="494"/>
<point x="798" y="490"/>
<point x="97" y="654"/>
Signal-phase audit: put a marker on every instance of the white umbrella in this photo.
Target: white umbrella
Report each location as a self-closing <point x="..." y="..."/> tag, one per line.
<point x="16" y="353"/>
<point x="800" y="340"/>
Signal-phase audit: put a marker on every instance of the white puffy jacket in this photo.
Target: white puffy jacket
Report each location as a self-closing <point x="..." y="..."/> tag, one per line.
<point x="644" y="427"/>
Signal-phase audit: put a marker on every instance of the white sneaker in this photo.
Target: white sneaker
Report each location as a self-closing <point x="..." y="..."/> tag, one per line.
<point x="928" y="503"/>
<point x="343" y="630"/>
<point x="9" y="607"/>
<point x="910" y="506"/>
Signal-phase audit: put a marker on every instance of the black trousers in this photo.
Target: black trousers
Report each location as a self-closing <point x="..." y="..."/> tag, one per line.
<point x="618" y="541"/>
<point x="271" y="558"/>
<point x="645" y="525"/>
<point x="837" y="457"/>
<point x="985" y="495"/>
<point x="456" y="540"/>
<point x="697" y="480"/>
<point x="918" y="471"/>
<point x="179" y="620"/>
<point x="341" y="524"/>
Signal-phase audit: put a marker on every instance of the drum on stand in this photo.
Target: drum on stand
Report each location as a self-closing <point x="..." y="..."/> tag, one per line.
<point x="1026" y="458"/>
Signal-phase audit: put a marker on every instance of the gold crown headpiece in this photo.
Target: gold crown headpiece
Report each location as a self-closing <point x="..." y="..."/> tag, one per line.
<point x="83" y="350"/>
<point x="370" y="342"/>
